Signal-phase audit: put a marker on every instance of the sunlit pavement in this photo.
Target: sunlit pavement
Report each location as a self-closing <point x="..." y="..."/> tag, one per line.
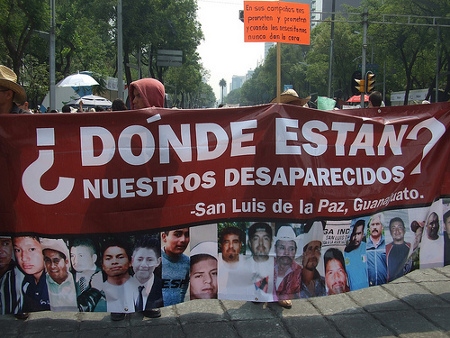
<point x="417" y="305"/>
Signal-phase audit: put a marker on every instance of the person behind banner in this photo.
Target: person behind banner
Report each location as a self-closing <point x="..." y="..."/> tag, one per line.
<point x="145" y="93"/>
<point x="203" y="273"/>
<point x="88" y="276"/>
<point x="120" y="289"/>
<point x="60" y="283"/>
<point x="355" y="257"/>
<point x="313" y="284"/>
<point x="232" y="280"/>
<point x="287" y="272"/>
<point x="260" y="264"/>
<point x="446" y="238"/>
<point x="398" y="250"/>
<point x="175" y="265"/>
<point x="376" y="251"/>
<point x="336" y="278"/>
<point x="29" y="257"/>
<point x="10" y="92"/>
<point x="432" y="246"/>
<point x="145" y="259"/>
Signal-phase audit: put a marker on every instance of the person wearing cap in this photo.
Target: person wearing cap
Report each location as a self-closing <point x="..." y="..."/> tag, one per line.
<point x="336" y="278"/>
<point x="145" y="259"/>
<point x="203" y="273"/>
<point x="260" y="264"/>
<point x="290" y="96"/>
<point x="34" y="290"/>
<point x="232" y="278"/>
<point x="287" y="272"/>
<point x="313" y="284"/>
<point x="355" y="257"/>
<point x="60" y="283"/>
<point x="10" y="92"/>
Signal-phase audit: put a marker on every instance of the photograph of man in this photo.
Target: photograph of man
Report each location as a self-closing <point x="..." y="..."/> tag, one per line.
<point x="10" y="278"/>
<point x="335" y="273"/>
<point x="120" y="289"/>
<point x="413" y="261"/>
<point x="287" y="272"/>
<point x="203" y="277"/>
<point x="432" y="246"/>
<point x="398" y="250"/>
<point x="88" y="275"/>
<point x="313" y="284"/>
<point x="260" y="264"/>
<point x="145" y="259"/>
<point x="175" y="265"/>
<point x="355" y="257"/>
<point x="233" y="281"/>
<point x="29" y="257"/>
<point x="447" y="238"/>
<point x="376" y="251"/>
<point x="60" y="283"/>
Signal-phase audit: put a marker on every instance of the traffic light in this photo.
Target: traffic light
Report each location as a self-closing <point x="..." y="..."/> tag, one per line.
<point x="370" y="81"/>
<point x="361" y="87"/>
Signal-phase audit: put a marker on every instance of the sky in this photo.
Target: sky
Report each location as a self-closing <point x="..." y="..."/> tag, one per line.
<point x="223" y="52"/>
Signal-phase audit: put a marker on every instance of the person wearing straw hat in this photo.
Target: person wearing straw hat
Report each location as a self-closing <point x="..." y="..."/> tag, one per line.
<point x="313" y="284"/>
<point x="290" y="96"/>
<point x="10" y="92"/>
<point x="287" y="272"/>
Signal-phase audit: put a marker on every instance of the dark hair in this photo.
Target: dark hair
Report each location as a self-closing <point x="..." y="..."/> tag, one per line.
<point x="260" y="226"/>
<point x="334" y="253"/>
<point x="376" y="99"/>
<point x="66" y="109"/>
<point x="118" y="105"/>
<point x="200" y="257"/>
<point x="396" y="219"/>
<point x="232" y="231"/>
<point x="110" y="242"/>
<point x="148" y="242"/>
<point x="357" y="224"/>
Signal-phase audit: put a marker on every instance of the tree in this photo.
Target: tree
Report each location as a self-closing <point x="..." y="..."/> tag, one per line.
<point x="222" y="84"/>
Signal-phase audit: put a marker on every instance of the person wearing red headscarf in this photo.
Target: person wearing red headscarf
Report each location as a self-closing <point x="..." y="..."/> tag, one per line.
<point x="145" y="93"/>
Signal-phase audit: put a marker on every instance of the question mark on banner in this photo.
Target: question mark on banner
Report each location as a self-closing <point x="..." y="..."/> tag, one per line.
<point x="31" y="178"/>
<point x="436" y="128"/>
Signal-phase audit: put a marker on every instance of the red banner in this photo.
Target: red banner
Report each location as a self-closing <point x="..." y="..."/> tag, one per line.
<point x="155" y="169"/>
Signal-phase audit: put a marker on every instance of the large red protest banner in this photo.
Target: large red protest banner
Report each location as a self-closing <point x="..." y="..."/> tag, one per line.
<point x="302" y="176"/>
<point x="156" y="169"/>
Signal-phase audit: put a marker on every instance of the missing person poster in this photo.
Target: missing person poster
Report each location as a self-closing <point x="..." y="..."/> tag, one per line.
<point x="132" y="211"/>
